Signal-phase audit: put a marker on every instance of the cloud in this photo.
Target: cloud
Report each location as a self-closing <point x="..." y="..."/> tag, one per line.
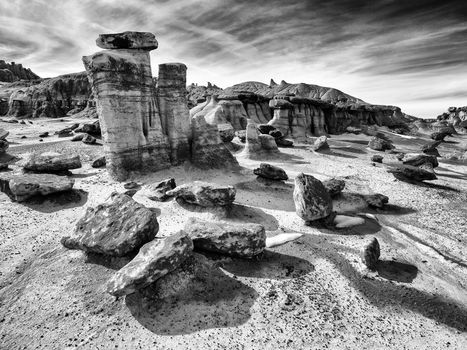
<point x="403" y="53"/>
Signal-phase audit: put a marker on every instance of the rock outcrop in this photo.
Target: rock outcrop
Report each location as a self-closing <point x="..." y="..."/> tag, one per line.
<point x="312" y="199"/>
<point x="10" y="72"/>
<point x="116" y="227"/>
<point x="241" y="240"/>
<point x="204" y="194"/>
<point x="409" y="172"/>
<point x="21" y="187"/>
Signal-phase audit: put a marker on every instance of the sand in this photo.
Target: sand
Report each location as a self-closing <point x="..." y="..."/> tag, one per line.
<point x="311" y="293"/>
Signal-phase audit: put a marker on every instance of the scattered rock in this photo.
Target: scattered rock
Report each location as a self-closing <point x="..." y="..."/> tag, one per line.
<point x="78" y="137"/>
<point x="376" y="200"/>
<point x="93" y="128"/>
<point x="154" y="260"/>
<point x="242" y="240"/>
<point x="430" y="148"/>
<point x="158" y="191"/>
<point x="321" y="143"/>
<point x="334" y="186"/>
<point x="20" y="187"/>
<point x="312" y="200"/>
<point x="370" y="254"/>
<point x="51" y="162"/>
<point x="269" y="171"/>
<point x="204" y="194"/>
<point x="439" y="136"/>
<point x="4" y="145"/>
<point x="377" y="158"/>
<point x="44" y="134"/>
<point x="409" y="172"/>
<point x="131" y="185"/>
<point x="88" y="139"/>
<point x="379" y="144"/>
<point x="419" y="159"/>
<point x="116" y="227"/>
<point x="99" y="162"/>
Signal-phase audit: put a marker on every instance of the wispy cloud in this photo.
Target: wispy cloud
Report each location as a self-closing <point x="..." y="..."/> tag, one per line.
<point x="406" y="53"/>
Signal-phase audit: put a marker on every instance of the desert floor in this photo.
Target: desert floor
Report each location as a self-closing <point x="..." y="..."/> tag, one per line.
<point x="313" y="293"/>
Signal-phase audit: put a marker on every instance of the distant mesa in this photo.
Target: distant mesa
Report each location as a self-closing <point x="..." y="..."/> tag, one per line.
<point x="10" y="72"/>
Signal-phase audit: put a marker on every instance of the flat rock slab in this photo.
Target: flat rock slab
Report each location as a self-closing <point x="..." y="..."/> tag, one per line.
<point x="20" y="187"/>
<point x="409" y="172"/>
<point x="269" y="171"/>
<point x="418" y="159"/>
<point x="204" y="194"/>
<point x="154" y="260"/>
<point x="116" y="227"/>
<point x="241" y="240"/>
<point x="51" y="162"/>
<point x="127" y="40"/>
<point x="312" y="200"/>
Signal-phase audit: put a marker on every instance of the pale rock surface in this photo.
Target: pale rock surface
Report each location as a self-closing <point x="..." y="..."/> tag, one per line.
<point x="51" y="162"/>
<point x="281" y="239"/>
<point x="344" y="221"/>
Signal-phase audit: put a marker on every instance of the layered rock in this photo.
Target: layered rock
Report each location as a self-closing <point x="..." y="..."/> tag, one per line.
<point x="10" y="72"/>
<point x="24" y="186"/>
<point x="204" y="194"/>
<point x="116" y="227"/>
<point x="242" y="240"/>
<point x="153" y="261"/>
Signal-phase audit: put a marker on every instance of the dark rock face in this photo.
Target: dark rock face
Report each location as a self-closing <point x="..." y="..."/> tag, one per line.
<point x="51" y="162"/>
<point x="439" y="136"/>
<point x="154" y="260"/>
<point x="379" y="144"/>
<point x="10" y="72"/>
<point x="24" y="186"/>
<point x="127" y="40"/>
<point x="265" y="128"/>
<point x="204" y="194"/>
<point x="158" y="191"/>
<point x="377" y="158"/>
<point x="271" y="172"/>
<point x="334" y="186"/>
<point x="430" y="148"/>
<point x="370" y="254"/>
<point x="116" y="227"/>
<point x="4" y="145"/>
<point x="409" y="172"/>
<point x="99" y="162"/>
<point x="242" y="240"/>
<point x="226" y="132"/>
<point x="376" y="200"/>
<point x="312" y="200"/>
<point x="419" y="159"/>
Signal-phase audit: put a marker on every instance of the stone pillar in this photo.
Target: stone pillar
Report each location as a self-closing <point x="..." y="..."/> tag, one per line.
<point x="175" y="115"/>
<point x="121" y="81"/>
<point x="281" y="119"/>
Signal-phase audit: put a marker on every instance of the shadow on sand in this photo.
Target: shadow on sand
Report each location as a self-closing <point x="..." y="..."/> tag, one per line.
<point x="396" y="271"/>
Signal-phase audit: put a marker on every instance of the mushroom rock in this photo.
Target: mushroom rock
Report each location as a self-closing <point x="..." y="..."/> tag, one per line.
<point x="282" y="113"/>
<point x="173" y="104"/>
<point x="207" y="148"/>
<point x="258" y="145"/>
<point x="127" y="40"/>
<point x="131" y="126"/>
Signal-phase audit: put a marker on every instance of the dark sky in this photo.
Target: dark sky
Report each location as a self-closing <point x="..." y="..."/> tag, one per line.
<point x="410" y="53"/>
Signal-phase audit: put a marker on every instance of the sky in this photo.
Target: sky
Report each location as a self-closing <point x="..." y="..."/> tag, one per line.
<point x="407" y="53"/>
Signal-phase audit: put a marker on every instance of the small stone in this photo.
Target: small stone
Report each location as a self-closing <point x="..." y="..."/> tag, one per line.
<point x="334" y="186"/>
<point x="377" y="158"/>
<point x="269" y="171"/>
<point x="99" y="162"/>
<point x="88" y="139"/>
<point x="371" y="253"/>
<point x="376" y="200"/>
<point x="204" y="194"/>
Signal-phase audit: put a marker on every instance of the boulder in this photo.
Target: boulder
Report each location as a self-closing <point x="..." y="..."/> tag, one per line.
<point x="117" y="227"/>
<point x="379" y="144"/>
<point x="154" y="260"/>
<point x="3" y="134"/>
<point x="265" y="128"/>
<point x="430" y="148"/>
<point x="158" y="191"/>
<point x="418" y="159"/>
<point x="277" y="134"/>
<point x="241" y="134"/>
<point x="334" y="186"/>
<point x="88" y="139"/>
<point x="321" y="143"/>
<point x="377" y="158"/>
<point x="439" y="136"/>
<point x="20" y="187"/>
<point x="127" y="40"/>
<point x="376" y="200"/>
<point x="271" y="172"/>
<point x="4" y="145"/>
<point x="99" y="162"/>
<point x="234" y="239"/>
<point x="268" y="143"/>
<point x="78" y="137"/>
<point x="204" y="194"/>
<point x="371" y="253"/>
<point x="93" y="128"/>
<point x="51" y="162"/>
<point x="312" y="200"/>
<point x="226" y="132"/>
<point x="409" y="172"/>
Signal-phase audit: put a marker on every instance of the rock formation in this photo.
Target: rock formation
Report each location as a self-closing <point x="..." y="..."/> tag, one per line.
<point x="334" y="186"/>
<point x="312" y="199"/>
<point x="10" y="72"/>
<point x="158" y="191"/>
<point x="258" y="145"/>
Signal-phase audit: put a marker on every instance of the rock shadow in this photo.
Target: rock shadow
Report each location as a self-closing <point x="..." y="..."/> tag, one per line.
<point x="246" y="214"/>
<point x="191" y="301"/>
<point x="110" y="262"/>
<point x="83" y="175"/>
<point x="57" y="201"/>
<point x="270" y="265"/>
<point x="396" y="271"/>
<point x="430" y="185"/>
<point x="359" y="142"/>
<point x="393" y="209"/>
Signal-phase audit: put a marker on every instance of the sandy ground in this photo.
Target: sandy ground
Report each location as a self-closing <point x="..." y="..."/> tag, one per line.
<point x="313" y="293"/>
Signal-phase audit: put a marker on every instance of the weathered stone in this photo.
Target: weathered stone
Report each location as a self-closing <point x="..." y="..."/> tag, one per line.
<point x="371" y="253"/>
<point x="312" y="200"/>
<point x="265" y="128"/>
<point x="154" y="260"/>
<point x="204" y="194"/>
<point x="23" y="186"/>
<point x="127" y="40"/>
<point x="282" y="142"/>
<point x="377" y="158"/>
<point x="334" y="186"/>
<point x="226" y="132"/>
<point x="321" y="143"/>
<point x="93" y="128"/>
<point x="439" y="136"/>
<point x="376" y="200"/>
<point x="430" y="148"/>
<point x="268" y="143"/>
<point x="88" y="139"/>
<point x="99" y="162"/>
<point x="158" y="191"/>
<point x="379" y="144"/>
<point x="3" y="134"/>
<point x="241" y="134"/>
<point x="409" y="172"/>
<point x="116" y="227"/>
<point x="51" y="162"/>
<point x="269" y="171"/>
<point x="4" y="145"/>
<point x="418" y="159"/>
<point x="242" y="240"/>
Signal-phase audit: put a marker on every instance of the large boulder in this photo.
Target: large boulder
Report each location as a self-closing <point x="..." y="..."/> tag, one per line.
<point x="235" y="239"/>
<point x="20" y="187"/>
<point x="127" y="40"/>
<point x="158" y="191"/>
<point x="4" y="145"/>
<point x="409" y="172"/>
<point x="204" y="194"/>
<point x="271" y="172"/>
<point x="321" y="144"/>
<point x="312" y="199"/>
<point x="334" y="186"/>
<point x="93" y="128"/>
<point x="51" y="162"/>
<point x="226" y="132"/>
<point x="371" y="253"/>
<point x="154" y="260"/>
<point x="116" y="227"/>
<point x="379" y="144"/>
